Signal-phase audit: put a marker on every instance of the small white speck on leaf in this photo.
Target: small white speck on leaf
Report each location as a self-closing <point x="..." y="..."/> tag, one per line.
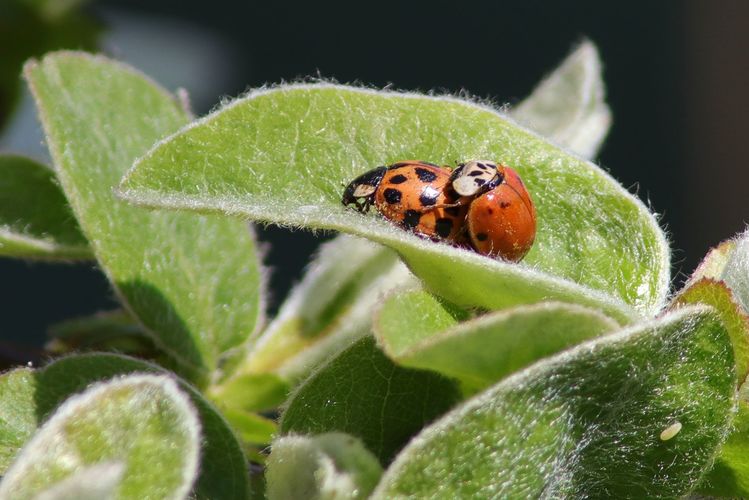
<point x="670" y="431"/>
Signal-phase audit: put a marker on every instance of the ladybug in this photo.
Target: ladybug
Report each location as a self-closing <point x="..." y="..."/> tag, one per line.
<point x="415" y="195"/>
<point x="501" y="219"/>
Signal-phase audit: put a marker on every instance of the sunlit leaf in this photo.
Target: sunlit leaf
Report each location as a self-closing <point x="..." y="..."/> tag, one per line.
<point x="588" y="422"/>
<point x="143" y="421"/>
<point x="282" y="155"/>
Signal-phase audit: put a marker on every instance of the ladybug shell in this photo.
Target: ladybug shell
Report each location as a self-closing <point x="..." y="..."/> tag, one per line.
<point x="502" y="221"/>
<point x="408" y="190"/>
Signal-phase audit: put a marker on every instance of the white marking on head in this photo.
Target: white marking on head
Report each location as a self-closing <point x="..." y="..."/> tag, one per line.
<point x="475" y="174"/>
<point x="363" y="190"/>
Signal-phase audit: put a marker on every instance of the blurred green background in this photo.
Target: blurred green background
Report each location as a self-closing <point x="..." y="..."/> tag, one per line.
<point x="676" y="75"/>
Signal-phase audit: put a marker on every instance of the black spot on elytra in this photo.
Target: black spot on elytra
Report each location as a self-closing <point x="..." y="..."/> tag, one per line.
<point x="392" y="196"/>
<point x="411" y="219"/>
<point x="443" y="227"/>
<point x="428" y="196"/>
<point x="490" y="211"/>
<point x="398" y="179"/>
<point x="482" y="236"/>
<point x="454" y="211"/>
<point x="425" y="175"/>
<point x="504" y="204"/>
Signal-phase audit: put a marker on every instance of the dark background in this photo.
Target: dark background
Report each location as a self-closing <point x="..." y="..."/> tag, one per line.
<point x="676" y="72"/>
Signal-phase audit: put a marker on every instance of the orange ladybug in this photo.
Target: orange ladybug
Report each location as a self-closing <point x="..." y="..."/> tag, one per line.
<point x="501" y="219"/>
<point x="416" y="195"/>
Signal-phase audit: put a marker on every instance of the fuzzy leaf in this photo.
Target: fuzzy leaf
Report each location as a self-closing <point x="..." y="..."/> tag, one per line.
<point x="282" y="155"/>
<point x="714" y="262"/>
<point x="144" y="421"/>
<point x="719" y="296"/>
<point x="330" y="466"/>
<point x="35" y="219"/>
<point x="28" y="397"/>
<point x="361" y="392"/>
<point x="328" y="309"/>
<point x="193" y="281"/>
<point x="329" y="290"/>
<point x="569" y="106"/>
<point x="736" y="270"/>
<point x="729" y="476"/>
<point x="484" y="350"/>
<point x="587" y="422"/>
<point x="89" y="483"/>
<point x="18" y="418"/>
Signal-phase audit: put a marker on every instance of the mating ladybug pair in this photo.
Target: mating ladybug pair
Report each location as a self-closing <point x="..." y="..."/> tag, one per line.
<point x="479" y="204"/>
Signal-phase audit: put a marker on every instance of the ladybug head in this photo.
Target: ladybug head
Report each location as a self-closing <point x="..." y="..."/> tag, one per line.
<point x="475" y="177"/>
<point x="361" y="191"/>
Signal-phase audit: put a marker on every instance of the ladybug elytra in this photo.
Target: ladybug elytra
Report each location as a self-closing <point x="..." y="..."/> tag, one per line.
<point x="416" y="195"/>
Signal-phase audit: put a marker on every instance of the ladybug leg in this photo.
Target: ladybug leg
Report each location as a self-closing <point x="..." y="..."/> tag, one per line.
<point x="363" y="206"/>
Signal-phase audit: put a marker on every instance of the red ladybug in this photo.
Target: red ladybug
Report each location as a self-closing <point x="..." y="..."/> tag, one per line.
<point x="416" y="195"/>
<point x="501" y="219"/>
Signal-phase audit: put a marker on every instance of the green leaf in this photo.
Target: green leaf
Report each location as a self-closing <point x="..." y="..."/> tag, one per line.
<point x="35" y="219"/>
<point x="17" y="416"/>
<point x="719" y="296"/>
<point x="88" y="483"/>
<point x="361" y="392"/>
<point x="29" y="397"/>
<point x="192" y="281"/>
<point x="143" y="421"/>
<point x="252" y="392"/>
<point x="328" y="309"/>
<point x="414" y="330"/>
<point x="736" y="270"/>
<point x="729" y="476"/>
<point x="330" y="466"/>
<point x="586" y="423"/>
<point x="283" y="155"/>
<point x="252" y="428"/>
<point x="317" y="308"/>
<point x="569" y="106"/>
<point x="714" y="262"/>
